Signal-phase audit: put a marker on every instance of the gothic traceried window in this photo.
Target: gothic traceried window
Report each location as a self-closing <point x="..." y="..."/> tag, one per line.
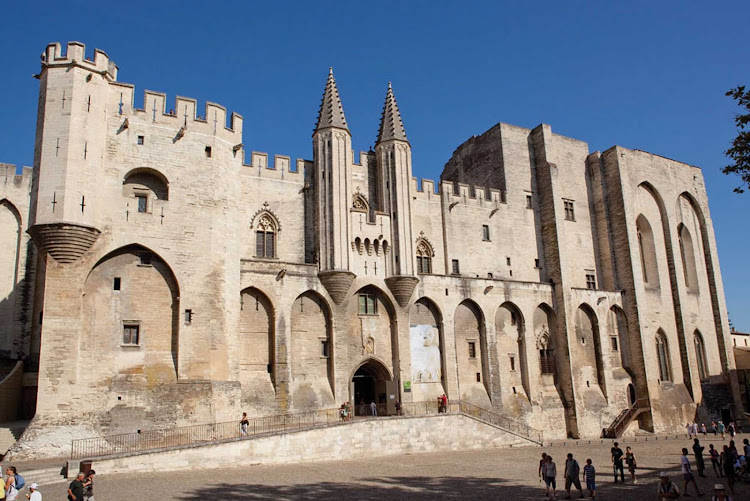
<point x="546" y="355"/>
<point x="424" y="258"/>
<point x="265" y="237"/>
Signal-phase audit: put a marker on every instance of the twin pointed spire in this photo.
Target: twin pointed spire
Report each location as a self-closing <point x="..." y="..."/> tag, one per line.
<point x="331" y="113"/>
<point x="391" y="126"/>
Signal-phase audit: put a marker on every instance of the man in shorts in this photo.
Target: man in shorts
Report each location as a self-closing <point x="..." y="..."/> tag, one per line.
<point x="572" y="472"/>
<point x="617" y="455"/>
<point x="589" y="474"/>
<point x="687" y="473"/>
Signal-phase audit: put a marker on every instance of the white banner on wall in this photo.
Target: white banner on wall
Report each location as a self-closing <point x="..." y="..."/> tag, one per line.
<point x="425" y="354"/>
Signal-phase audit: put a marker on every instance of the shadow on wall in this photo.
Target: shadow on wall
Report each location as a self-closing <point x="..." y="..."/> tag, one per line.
<point x="397" y="488"/>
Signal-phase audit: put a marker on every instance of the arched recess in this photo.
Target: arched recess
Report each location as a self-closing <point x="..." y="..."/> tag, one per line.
<point x="471" y="352"/>
<point x="312" y="348"/>
<point x="146" y="186"/>
<point x="130" y="310"/>
<point x="676" y="305"/>
<point x="10" y="258"/>
<point x="511" y="347"/>
<point x="647" y="251"/>
<point x="589" y="350"/>
<point x="371" y="381"/>
<point x="257" y="355"/>
<point x="663" y="356"/>
<point x="373" y="334"/>
<point x="687" y="254"/>
<point x="554" y="362"/>
<point x="427" y="342"/>
<point x="617" y="326"/>
<point x="713" y="290"/>
<point x="700" y="355"/>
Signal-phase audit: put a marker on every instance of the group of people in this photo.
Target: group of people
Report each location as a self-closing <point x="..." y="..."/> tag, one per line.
<point x="716" y="428"/>
<point x="729" y="463"/>
<point x="13" y="484"/>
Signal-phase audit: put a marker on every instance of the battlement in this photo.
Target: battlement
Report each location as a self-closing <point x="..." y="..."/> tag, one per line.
<point x="282" y="167"/>
<point x="9" y="176"/>
<point x="75" y="55"/>
<point x="363" y="158"/>
<point x="457" y="192"/>
<point x="184" y="113"/>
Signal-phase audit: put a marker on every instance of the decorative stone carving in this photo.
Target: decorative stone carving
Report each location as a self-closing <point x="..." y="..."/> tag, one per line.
<point x="402" y="287"/>
<point x="369" y="345"/>
<point x="337" y="283"/>
<point x="65" y="242"/>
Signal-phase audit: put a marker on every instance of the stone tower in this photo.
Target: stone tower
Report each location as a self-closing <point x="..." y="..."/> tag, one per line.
<point x="393" y="153"/>
<point x="332" y="146"/>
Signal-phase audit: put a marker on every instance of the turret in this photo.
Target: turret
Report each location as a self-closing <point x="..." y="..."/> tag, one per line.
<point x="332" y="146"/>
<point x="70" y="142"/>
<point x="393" y="153"/>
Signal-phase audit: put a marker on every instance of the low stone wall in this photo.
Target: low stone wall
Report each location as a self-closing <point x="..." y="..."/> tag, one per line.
<point x="376" y="437"/>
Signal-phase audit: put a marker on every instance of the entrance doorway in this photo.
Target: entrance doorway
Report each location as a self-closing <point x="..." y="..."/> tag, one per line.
<point x="372" y="382"/>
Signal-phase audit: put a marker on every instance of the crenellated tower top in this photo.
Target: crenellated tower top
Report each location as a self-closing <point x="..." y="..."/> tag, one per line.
<point x="75" y="55"/>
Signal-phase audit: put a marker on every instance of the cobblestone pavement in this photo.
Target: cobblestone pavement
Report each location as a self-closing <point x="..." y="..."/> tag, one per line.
<point x="486" y="474"/>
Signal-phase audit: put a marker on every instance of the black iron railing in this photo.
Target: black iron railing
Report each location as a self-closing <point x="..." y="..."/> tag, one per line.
<point x="502" y="421"/>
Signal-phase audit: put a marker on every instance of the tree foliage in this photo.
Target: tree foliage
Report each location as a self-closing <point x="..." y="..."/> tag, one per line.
<point x="740" y="150"/>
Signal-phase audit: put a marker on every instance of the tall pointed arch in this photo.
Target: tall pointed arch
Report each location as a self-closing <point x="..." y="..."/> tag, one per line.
<point x="425" y="253"/>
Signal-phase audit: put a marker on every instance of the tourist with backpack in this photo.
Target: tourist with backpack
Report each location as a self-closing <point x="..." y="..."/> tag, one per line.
<point x="13" y="484"/>
<point x="572" y="473"/>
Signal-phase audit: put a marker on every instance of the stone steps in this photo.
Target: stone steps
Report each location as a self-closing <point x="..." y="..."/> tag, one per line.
<point x="10" y="432"/>
<point x="44" y="476"/>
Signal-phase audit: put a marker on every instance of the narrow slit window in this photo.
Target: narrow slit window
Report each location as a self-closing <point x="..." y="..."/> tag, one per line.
<point x="472" y="349"/>
<point x="117" y="283"/>
<point x="590" y="281"/>
<point x="529" y="203"/>
<point x="208" y="152"/>
<point x="141" y="140"/>
<point x="569" y="210"/>
<point x="455" y="269"/>
<point x="324" y="348"/>
<point x="485" y="233"/>
<point x="142" y="203"/>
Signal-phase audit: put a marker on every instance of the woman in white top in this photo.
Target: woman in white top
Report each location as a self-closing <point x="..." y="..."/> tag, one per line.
<point x="10" y="484"/>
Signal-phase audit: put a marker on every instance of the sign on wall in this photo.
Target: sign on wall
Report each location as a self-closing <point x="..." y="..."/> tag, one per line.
<point x="425" y="354"/>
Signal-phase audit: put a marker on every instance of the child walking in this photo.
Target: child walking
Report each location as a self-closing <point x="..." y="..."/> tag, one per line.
<point x="589" y="474"/>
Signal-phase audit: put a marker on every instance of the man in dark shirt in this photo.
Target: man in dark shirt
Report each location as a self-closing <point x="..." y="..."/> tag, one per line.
<point x="75" y="490"/>
<point x="617" y="461"/>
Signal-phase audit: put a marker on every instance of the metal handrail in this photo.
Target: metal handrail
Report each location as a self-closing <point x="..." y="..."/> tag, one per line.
<point x="183" y="436"/>
<point x="624" y="418"/>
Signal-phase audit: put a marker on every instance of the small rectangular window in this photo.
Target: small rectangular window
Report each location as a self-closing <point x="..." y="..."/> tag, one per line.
<point x="485" y="233"/>
<point x="614" y="343"/>
<point x="569" y="210"/>
<point x="117" y="283"/>
<point x="368" y="304"/>
<point x="142" y="203"/>
<point x="479" y="377"/>
<point x="472" y="349"/>
<point x="529" y="204"/>
<point x="590" y="281"/>
<point x="141" y="140"/>
<point x="208" y="152"/>
<point x="536" y="263"/>
<point x="507" y="260"/>
<point x="512" y="363"/>
<point x="145" y="258"/>
<point x="324" y="348"/>
<point x="131" y="334"/>
<point x="188" y="317"/>
<point x="455" y="268"/>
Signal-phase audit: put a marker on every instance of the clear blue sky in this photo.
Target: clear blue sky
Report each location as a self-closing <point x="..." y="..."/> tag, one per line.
<point x="647" y="75"/>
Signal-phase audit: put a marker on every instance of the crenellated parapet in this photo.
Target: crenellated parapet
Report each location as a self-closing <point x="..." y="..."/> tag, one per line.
<point x="75" y="55"/>
<point x="282" y="167"/>
<point x="9" y="179"/>
<point x="461" y="193"/>
<point x="184" y="114"/>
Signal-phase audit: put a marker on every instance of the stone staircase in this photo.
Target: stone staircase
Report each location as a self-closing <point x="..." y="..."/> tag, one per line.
<point x="45" y="476"/>
<point x="622" y="421"/>
<point x="10" y="432"/>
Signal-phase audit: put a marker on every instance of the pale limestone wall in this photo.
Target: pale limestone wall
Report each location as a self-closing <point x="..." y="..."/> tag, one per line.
<point x="248" y="346"/>
<point x="357" y="440"/>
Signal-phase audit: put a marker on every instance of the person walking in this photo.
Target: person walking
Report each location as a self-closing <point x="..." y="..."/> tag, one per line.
<point x="373" y="408"/>
<point x="689" y="429"/>
<point x="549" y="479"/>
<point x="75" y="489"/>
<point x="687" y="473"/>
<point x="715" y="460"/>
<point x="721" y="429"/>
<point x="543" y="472"/>
<point x="704" y="430"/>
<point x="617" y="461"/>
<point x="695" y="429"/>
<point x="11" y="491"/>
<point x="88" y="486"/>
<point x="572" y="474"/>
<point x="720" y="494"/>
<point x="35" y="494"/>
<point x="698" y="452"/>
<point x="667" y="489"/>
<point x="731" y="429"/>
<point x="630" y="461"/>
<point x="728" y="465"/>
<point x="244" y="424"/>
<point x="714" y="428"/>
<point x="589" y="474"/>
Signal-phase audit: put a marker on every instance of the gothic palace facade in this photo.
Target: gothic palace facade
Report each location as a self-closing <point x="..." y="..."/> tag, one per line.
<point x="157" y="274"/>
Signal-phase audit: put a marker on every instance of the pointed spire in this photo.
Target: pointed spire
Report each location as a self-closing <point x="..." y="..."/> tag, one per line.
<point x="391" y="126"/>
<point x="331" y="113"/>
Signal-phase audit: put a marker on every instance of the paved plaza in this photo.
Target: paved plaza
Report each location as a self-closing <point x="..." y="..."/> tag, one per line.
<point x="486" y="474"/>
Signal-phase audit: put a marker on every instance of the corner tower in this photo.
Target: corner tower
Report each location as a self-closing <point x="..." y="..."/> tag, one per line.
<point x="332" y="146"/>
<point x="393" y="155"/>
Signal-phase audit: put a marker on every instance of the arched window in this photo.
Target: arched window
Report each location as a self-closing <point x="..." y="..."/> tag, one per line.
<point x="424" y="257"/>
<point x="647" y="250"/>
<point x="662" y="352"/>
<point x="546" y="354"/>
<point x="700" y="356"/>
<point x="687" y="253"/>
<point x="265" y="237"/>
